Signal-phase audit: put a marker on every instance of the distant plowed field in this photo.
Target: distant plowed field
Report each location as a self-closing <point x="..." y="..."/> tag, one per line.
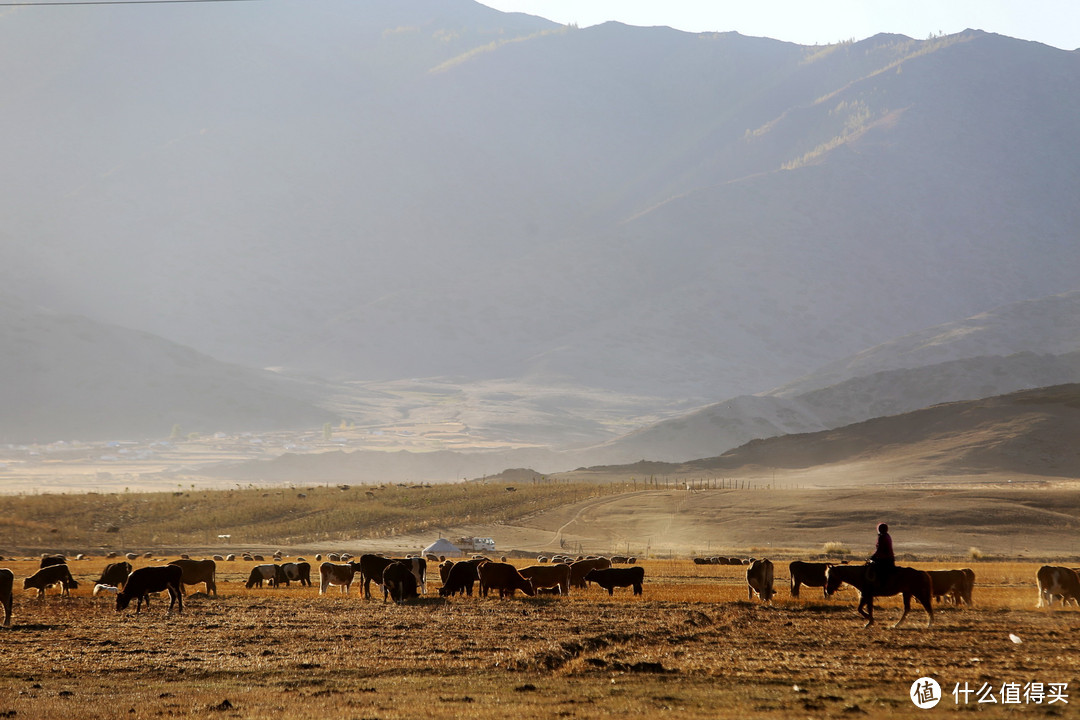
<point x="691" y="646"/>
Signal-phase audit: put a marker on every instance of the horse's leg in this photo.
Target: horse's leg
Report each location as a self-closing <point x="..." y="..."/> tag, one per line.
<point x="867" y="601"/>
<point x="907" y="607"/>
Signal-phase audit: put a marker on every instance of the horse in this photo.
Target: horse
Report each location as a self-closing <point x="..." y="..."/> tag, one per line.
<point x="909" y="581"/>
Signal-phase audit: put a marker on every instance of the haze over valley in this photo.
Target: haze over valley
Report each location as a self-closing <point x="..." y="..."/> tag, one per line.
<point x="432" y="226"/>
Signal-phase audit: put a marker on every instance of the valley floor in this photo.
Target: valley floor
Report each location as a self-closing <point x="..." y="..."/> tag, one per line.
<point x="691" y="645"/>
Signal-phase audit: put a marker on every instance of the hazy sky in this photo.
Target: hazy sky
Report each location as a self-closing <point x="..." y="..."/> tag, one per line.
<point x="807" y="22"/>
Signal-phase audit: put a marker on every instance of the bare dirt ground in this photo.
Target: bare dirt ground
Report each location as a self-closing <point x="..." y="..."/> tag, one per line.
<point x="692" y="645"/>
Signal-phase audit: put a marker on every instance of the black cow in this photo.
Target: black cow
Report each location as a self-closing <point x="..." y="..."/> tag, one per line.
<point x="152" y="579"/>
<point x="399" y="583"/>
<point x="611" y="578"/>
<point x="198" y="571"/>
<point x="296" y="571"/>
<point x="51" y="575"/>
<point x="47" y="560"/>
<point x="372" y="567"/>
<point x="115" y="574"/>
<point x="266" y="572"/>
<point x="462" y="577"/>
<point x="7" y="580"/>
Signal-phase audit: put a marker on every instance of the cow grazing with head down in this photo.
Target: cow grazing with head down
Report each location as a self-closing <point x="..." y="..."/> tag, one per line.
<point x="296" y="572"/>
<point x="267" y="572"/>
<point x="444" y="570"/>
<point x="548" y="576"/>
<point x="759" y="579"/>
<point x="373" y="566"/>
<point x="340" y="574"/>
<point x="968" y="587"/>
<point x="503" y="577"/>
<point x="371" y="569"/>
<point x="461" y="577"/>
<point x="152" y="579"/>
<point x="7" y="581"/>
<point x="611" y="578"/>
<point x="1057" y="582"/>
<point x="198" y="571"/>
<point x="580" y="568"/>
<point x="51" y="575"/>
<point x="810" y="574"/>
<point x="399" y="583"/>
<point x="114" y="574"/>
<point x="950" y="585"/>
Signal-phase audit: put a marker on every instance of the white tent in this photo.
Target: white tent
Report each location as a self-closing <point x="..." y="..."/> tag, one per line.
<point x="442" y="546"/>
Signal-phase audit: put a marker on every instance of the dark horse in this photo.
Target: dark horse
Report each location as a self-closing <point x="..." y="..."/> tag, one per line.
<point x="909" y="581"/>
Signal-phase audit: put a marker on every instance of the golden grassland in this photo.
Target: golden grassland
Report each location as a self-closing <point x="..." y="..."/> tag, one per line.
<point x="692" y="645"/>
<point x="289" y="516"/>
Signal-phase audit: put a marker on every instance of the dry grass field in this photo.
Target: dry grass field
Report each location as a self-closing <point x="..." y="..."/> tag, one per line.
<point x="691" y="646"/>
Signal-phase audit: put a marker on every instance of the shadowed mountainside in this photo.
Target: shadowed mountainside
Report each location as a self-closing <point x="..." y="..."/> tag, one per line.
<point x="1021" y="346"/>
<point x="77" y="378"/>
<point x="1025" y="434"/>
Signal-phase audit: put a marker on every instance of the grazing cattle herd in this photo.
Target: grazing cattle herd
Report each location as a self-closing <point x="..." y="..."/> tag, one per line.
<point x="403" y="579"/>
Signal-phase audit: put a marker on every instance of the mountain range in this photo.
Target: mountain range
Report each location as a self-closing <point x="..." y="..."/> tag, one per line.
<point x="382" y="190"/>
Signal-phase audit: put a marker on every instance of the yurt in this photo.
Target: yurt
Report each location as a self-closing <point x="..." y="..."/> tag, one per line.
<point x="443" y="547"/>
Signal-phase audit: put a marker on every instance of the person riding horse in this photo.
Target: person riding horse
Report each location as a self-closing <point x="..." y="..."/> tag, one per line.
<point x="880" y="566"/>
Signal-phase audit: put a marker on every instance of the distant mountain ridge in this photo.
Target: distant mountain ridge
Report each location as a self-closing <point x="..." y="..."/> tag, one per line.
<point x="381" y="190"/>
<point x="978" y="357"/>
<point x="1027" y="433"/>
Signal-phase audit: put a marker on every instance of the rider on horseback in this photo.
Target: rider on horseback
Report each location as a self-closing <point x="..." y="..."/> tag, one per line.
<point x="883" y="561"/>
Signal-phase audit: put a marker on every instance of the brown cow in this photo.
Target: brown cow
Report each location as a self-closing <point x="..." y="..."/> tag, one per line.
<point x="115" y="574"/>
<point x="198" y="571"/>
<point x="548" y="576"/>
<point x="810" y="574"/>
<point x="759" y="579"/>
<point x="444" y="570"/>
<point x="580" y="568"/>
<point x="336" y="574"/>
<point x="950" y="585"/>
<point x="1056" y="581"/>
<point x="611" y="578"/>
<point x="503" y="577"/>
<point x="969" y="586"/>
<point x="7" y="580"/>
<point x="51" y="575"/>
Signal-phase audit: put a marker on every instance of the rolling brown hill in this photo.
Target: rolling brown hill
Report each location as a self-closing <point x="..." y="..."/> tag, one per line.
<point x="1027" y="434"/>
